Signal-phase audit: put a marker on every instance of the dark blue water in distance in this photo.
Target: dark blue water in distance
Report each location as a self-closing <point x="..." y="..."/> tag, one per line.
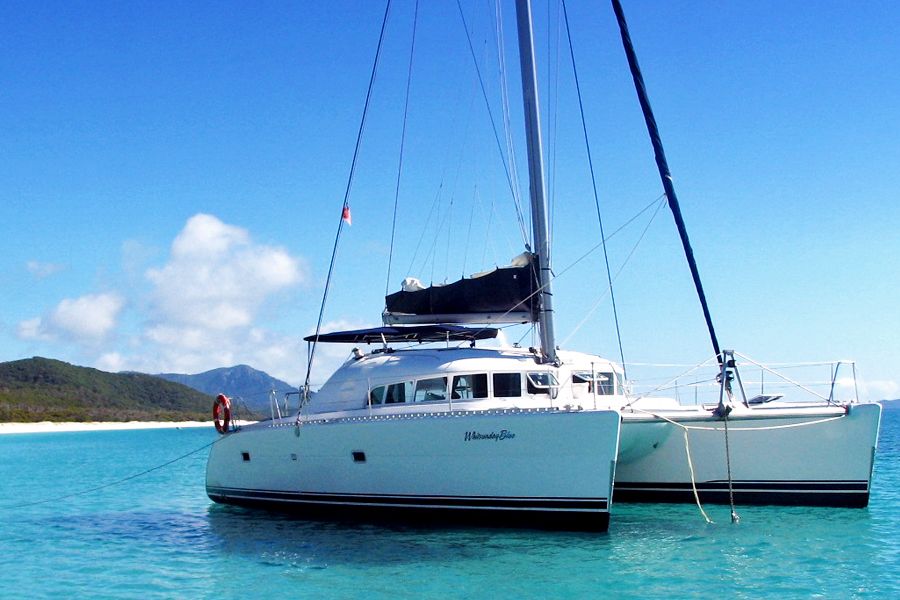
<point x="159" y="536"/>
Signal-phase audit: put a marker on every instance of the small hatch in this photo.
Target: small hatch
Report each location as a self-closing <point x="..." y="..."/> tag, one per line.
<point x="359" y="456"/>
<point x="764" y="398"/>
<point x="245" y="456"/>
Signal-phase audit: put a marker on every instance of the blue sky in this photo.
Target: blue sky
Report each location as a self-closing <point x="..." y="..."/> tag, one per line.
<point x="172" y="176"/>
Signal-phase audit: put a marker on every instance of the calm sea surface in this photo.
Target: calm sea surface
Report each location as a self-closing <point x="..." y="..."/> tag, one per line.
<point x="159" y="536"/>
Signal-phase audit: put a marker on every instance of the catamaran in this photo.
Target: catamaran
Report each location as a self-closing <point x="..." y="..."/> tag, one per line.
<point x="532" y="436"/>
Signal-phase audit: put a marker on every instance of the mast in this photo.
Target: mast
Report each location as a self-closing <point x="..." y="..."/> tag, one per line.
<point x="536" y="178"/>
<point x="663" y="167"/>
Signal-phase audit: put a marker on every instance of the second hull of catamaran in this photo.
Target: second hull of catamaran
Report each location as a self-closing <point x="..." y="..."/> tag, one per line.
<point x="800" y="453"/>
<point x="437" y="435"/>
<point x="797" y="454"/>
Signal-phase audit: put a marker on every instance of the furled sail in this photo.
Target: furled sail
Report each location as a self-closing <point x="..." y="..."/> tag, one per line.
<point x="504" y="295"/>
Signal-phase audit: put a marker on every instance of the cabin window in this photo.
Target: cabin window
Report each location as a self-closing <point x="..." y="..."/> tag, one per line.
<point x="605" y="382"/>
<point x="507" y="385"/>
<point x="398" y="393"/>
<point x="466" y="387"/>
<point x="541" y="382"/>
<point x="431" y="390"/>
<point x="376" y="396"/>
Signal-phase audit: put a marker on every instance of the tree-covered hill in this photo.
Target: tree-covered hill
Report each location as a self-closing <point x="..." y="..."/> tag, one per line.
<point x="43" y="389"/>
<point x="247" y="386"/>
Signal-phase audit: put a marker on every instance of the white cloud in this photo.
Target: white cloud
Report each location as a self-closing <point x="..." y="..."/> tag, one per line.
<point x="205" y="303"/>
<point x="86" y="319"/>
<point x="112" y="362"/>
<point x="217" y="279"/>
<point x="30" y="329"/>
<point x="885" y="389"/>
<point x="89" y="317"/>
<point x="42" y="270"/>
<point x="202" y="309"/>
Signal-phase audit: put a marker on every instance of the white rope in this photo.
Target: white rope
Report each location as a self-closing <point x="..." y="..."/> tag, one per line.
<point x="687" y="449"/>
<point x="768" y="428"/>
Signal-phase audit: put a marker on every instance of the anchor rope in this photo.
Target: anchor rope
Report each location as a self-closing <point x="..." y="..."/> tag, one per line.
<point x="112" y="483"/>
<point x="734" y="516"/>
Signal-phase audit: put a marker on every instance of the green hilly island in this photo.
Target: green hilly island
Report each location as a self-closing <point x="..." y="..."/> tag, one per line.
<point x="43" y="389"/>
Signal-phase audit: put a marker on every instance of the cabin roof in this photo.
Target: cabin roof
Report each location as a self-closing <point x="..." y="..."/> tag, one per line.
<point x="396" y="365"/>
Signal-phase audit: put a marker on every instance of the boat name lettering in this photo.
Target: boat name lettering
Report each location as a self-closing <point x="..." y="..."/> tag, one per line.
<point x="504" y="434"/>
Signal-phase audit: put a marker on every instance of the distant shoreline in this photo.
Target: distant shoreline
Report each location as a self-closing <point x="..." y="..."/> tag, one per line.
<point x="53" y="427"/>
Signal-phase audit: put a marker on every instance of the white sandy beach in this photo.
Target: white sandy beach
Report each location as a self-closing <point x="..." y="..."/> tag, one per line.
<point x="50" y="427"/>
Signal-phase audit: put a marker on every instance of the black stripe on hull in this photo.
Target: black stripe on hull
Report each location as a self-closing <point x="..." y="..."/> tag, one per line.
<point x="845" y="494"/>
<point x="590" y="514"/>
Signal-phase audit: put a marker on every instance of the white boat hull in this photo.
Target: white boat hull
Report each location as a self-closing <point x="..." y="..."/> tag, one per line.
<point x="794" y="455"/>
<point x="528" y="468"/>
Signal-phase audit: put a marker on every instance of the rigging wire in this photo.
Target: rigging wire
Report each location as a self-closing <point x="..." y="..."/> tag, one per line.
<point x="436" y="207"/>
<point x="613" y="278"/>
<point x="529" y="330"/>
<point x="504" y="102"/>
<point x="509" y="180"/>
<point x="488" y="236"/>
<point x="430" y="256"/>
<point x="424" y="230"/>
<point x="412" y="48"/>
<point x="657" y="201"/>
<point x="553" y="124"/>
<point x="587" y="145"/>
<point x="555" y="276"/>
<point x="346" y="205"/>
<point x="469" y="230"/>
<point x="449" y="233"/>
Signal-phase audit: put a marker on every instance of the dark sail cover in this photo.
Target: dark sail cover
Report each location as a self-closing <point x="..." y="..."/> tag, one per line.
<point x="507" y="294"/>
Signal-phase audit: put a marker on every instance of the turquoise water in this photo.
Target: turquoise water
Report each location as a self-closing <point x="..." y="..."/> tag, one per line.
<point x="159" y="536"/>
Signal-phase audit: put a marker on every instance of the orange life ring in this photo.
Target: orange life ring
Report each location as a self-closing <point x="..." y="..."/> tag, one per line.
<point x="222" y="413"/>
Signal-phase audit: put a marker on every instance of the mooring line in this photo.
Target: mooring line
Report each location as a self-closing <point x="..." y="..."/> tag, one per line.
<point x="106" y="485"/>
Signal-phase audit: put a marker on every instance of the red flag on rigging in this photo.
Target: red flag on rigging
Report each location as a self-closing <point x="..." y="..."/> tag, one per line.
<point x="345" y="215"/>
